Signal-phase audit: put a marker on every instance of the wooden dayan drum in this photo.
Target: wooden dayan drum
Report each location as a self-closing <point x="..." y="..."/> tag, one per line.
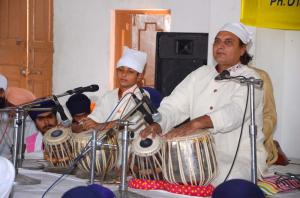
<point x="146" y="158"/>
<point x="59" y="146"/>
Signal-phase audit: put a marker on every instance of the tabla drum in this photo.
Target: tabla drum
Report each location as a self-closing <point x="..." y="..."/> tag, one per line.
<point x="146" y="158"/>
<point x="106" y="155"/>
<point x="190" y="160"/>
<point x="59" y="146"/>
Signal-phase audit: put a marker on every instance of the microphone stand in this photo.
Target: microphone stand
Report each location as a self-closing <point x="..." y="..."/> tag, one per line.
<point x="96" y="144"/>
<point x="123" y="187"/>
<point x="21" y="140"/>
<point x="51" y="97"/>
<point x="125" y="136"/>
<point x="17" y="149"/>
<point x="18" y="141"/>
<point x="18" y="138"/>
<point x="252" y="127"/>
<point x="17" y="123"/>
<point x="40" y="100"/>
<point x="93" y="156"/>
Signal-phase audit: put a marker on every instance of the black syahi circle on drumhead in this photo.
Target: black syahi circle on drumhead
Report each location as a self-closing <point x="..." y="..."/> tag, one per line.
<point x="146" y="143"/>
<point x="56" y="133"/>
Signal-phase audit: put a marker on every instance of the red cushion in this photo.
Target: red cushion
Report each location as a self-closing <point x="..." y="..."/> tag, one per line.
<point x="200" y="191"/>
<point x="145" y="184"/>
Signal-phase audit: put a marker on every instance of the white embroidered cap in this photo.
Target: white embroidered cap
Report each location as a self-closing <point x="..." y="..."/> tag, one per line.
<point x="3" y="82"/>
<point x="133" y="59"/>
<point x="239" y="30"/>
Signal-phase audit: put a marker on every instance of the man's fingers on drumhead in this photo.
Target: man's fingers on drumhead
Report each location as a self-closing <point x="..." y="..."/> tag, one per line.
<point x="153" y="134"/>
<point x="166" y="136"/>
<point x="142" y="134"/>
<point x="146" y="134"/>
<point x="85" y="119"/>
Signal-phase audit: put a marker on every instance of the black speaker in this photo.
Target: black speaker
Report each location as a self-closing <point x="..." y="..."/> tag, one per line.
<point x="177" y="55"/>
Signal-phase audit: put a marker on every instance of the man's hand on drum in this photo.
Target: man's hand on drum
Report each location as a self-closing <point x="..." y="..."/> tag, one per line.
<point x="153" y="129"/>
<point x="106" y="125"/>
<point x="181" y="131"/>
<point x="202" y="122"/>
<point x="76" y="127"/>
<point x="88" y="123"/>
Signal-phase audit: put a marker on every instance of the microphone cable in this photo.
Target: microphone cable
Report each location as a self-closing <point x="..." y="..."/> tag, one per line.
<point x="239" y="141"/>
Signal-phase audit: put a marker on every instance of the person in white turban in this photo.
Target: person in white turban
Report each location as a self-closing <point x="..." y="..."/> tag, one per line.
<point x="115" y="104"/>
<point x="217" y="106"/>
<point x="129" y="70"/>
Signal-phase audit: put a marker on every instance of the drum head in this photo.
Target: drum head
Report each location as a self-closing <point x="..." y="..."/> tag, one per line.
<point x="86" y="135"/>
<point x="57" y="135"/>
<point x="146" y="147"/>
<point x="197" y="134"/>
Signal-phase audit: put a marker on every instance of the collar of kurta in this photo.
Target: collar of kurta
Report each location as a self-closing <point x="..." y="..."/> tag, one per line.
<point x="130" y="90"/>
<point x="231" y="69"/>
<point x="235" y="68"/>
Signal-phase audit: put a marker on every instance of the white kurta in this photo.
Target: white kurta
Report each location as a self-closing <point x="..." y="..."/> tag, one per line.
<point x="224" y="101"/>
<point x="103" y="111"/>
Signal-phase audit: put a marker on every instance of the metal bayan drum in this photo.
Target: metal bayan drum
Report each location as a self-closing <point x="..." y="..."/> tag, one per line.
<point x="190" y="160"/>
<point x="146" y="158"/>
<point x="106" y="156"/>
<point x="59" y="146"/>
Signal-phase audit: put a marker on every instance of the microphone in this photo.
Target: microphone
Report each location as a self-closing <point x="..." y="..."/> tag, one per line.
<point x="223" y="75"/>
<point x="155" y="114"/>
<point x="242" y="79"/>
<point x="90" y="88"/>
<point x="147" y="116"/>
<point x="65" y="121"/>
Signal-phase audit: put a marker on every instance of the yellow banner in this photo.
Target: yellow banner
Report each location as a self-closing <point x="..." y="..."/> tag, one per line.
<point x="278" y="14"/>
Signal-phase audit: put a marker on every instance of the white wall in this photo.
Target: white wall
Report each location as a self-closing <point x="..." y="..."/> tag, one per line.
<point x="277" y="52"/>
<point x="290" y="134"/>
<point x="83" y="36"/>
<point x="80" y="44"/>
<point x="221" y="12"/>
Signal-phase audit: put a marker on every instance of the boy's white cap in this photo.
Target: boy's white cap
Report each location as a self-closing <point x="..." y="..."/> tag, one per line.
<point x="3" y="82"/>
<point x="133" y="59"/>
<point x="239" y="30"/>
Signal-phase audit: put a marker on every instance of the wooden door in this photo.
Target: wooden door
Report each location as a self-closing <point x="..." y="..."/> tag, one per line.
<point x="13" y="41"/>
<point x="40" y="47"/>
<point x="122" y="36"/>
<point x="26" y="44"/>
<point x="144" y="29"/>
<point x="137" y="29"/>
